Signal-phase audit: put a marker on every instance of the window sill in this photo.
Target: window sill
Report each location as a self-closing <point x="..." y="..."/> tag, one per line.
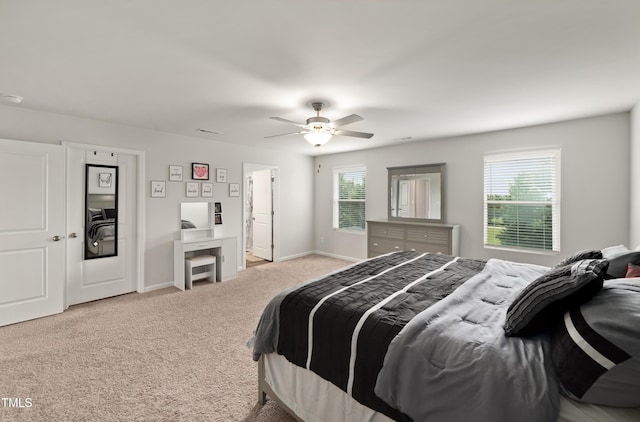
<point x="522" y="250"/>
<point x="349" y="231"/>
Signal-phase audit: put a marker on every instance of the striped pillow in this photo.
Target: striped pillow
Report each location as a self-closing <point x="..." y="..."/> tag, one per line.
<point x="579" y="256"/>
<point x="546" y="298"/>
<point x="596" y="347"/>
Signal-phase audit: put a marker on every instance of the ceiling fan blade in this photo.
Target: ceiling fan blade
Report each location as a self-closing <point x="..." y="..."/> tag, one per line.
<point x="346" y="120"/>
<point x="280" y="119"/>
<point x="286" y="134"/>
<point x="352" y="133"/>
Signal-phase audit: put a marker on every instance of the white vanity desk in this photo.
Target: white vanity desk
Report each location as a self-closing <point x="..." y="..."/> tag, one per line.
<point x="200" y="242"/>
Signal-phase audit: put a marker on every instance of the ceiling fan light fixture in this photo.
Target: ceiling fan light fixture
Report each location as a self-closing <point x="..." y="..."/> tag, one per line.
<point x="317" y="138"/>
<point x="318" y="130"/>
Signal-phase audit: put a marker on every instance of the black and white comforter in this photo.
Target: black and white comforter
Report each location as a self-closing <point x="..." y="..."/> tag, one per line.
<point x="425" y="331"/>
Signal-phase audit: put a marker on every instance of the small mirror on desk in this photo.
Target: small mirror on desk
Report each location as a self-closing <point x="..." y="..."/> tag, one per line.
<point x="195" y="220"/>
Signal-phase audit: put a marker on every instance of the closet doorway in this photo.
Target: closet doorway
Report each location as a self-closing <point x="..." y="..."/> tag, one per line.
<point x="260" y="231"/>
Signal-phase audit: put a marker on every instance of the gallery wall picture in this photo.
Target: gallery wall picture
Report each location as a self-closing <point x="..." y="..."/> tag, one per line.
<point x="105" y="180"/>
<point x="218" y="218"/>
<point x="158" y="189"/>
<point x="101" y="180"/>
<point x="218" y="207"/>
<point x="221" y="175"/>
<point x="175" y="173"/>
<point x="192" y="189"/>
<point x="207" y="190"/>
<point x="234" y="189"/>
<point x="199" y="171"/>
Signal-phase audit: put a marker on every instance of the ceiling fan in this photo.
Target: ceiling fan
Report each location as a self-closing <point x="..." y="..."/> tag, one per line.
<point x="318" y="130"/>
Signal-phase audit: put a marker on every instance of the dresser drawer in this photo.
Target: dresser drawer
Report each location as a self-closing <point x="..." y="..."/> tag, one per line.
<point x="382" y="245"/>
<point x="386" y="231"/>
<point x="205" y="244"/>
<point x="428" y="235"/>
<point x="427" y="247"/>
<point x="392" y="236"/>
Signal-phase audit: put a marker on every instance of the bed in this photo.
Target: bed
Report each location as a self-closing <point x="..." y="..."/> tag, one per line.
<point x="412" y="336"/>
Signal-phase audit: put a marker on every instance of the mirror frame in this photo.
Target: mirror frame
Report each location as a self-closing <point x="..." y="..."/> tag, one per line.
<point x="418" y="169"/>
<point x="116" y="181"/>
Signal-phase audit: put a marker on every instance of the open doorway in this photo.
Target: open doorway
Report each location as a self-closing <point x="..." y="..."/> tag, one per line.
<point x="260" y="212"/>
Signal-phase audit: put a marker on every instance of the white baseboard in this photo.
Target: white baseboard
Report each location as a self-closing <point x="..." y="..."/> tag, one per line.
<point x="330" y="255"/>
<point x="298" y="255"/>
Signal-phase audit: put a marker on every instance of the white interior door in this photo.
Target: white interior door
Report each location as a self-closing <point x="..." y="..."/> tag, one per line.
<point x="98" y="278"/>
<point x="263" y="215"/>
<point x="404" y="206"/>
<point x="31" y="218"/>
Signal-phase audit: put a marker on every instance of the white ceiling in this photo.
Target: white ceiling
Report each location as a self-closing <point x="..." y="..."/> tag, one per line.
<point x="412" y="68"/>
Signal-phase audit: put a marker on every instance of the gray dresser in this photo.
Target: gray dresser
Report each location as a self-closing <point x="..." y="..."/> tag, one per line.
<point x="385" y="236"/>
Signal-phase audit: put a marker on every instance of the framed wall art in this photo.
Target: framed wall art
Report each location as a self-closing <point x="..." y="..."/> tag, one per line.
<point x="207" y="190"/>
<point x="175" y="173"/>
<point x="105" y="180"/>
<point x="158" y="189"/>
<point x="199" y="171"/>
<point x="221" y="175"/>
<point x="101" y="179"/>
<point x="234" y="189"/>
<point x="191" y="189"/>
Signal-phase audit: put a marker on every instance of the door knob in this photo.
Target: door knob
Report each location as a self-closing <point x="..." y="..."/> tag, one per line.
<point x="73" y="235"/>
<point x="56" y="238"/>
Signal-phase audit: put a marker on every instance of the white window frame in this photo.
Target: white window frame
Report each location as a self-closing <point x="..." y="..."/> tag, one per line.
<point x="554" y="154"/>
<point x="336" y="200"/>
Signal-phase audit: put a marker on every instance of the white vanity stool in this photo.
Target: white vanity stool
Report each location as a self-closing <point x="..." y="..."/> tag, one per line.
<point x="199" y="261"/>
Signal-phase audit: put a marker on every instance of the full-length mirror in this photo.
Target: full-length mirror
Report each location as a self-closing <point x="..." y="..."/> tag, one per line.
<point x="195" y="215"/>
<point x="416" y="193"/>
<point x="101" y="211"/>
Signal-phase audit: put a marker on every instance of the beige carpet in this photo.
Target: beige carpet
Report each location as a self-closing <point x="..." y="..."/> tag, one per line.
<point x="160" y="356"/>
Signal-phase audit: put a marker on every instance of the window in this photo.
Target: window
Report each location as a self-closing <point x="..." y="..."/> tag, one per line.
<point x="349" y="196"/>
<point x="522" y="200"/>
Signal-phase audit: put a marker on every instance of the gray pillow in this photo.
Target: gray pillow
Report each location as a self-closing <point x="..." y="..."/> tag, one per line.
<point x="546" y="298"/>
<point x="95" y="214"/>
<point x="596" y="347"/>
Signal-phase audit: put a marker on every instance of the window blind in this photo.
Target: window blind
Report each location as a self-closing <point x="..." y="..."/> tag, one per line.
<point x="349" y="198"/>
<point x="522" y="200"/>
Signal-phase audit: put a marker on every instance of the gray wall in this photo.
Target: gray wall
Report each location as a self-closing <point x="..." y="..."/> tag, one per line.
<point x="163" y="149"/>
<point x="634" y="240"/>
<point x="595" y="185"/>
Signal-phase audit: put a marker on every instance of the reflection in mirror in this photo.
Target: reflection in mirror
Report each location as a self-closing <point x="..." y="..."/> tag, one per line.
<point x="416" y="192"/>
<point x="195" y="215"/>
<point x="101" y="211"/>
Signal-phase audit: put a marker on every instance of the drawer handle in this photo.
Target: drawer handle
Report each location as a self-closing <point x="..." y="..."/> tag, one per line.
<point x="413" y="249"/>
<point x="397" y="247"/>
<point x="425" y="236"/>
<point x="375" y="244"/>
